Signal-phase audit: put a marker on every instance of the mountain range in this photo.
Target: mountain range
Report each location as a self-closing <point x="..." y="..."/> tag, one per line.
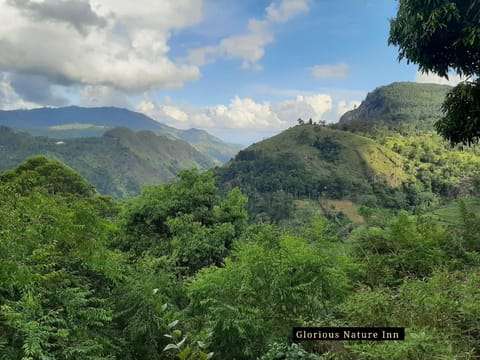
<point x="74" y="121"/>
<point x="382" y="154"/>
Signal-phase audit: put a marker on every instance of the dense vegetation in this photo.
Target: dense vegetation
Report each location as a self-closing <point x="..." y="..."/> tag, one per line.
<point x="383" y="154"/>
<point x="179" y="273"/>
<point x="117" y="163"/>
<point x="377" y="226"/>
<point x="399" y="106"/>
<point x="440" y="36"/>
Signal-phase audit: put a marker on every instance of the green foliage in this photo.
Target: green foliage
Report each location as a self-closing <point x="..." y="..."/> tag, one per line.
<point x="311" y="162"/>
<point x="279" y="351"/>
<point x="401" y="107"/>
<point x="407" y="247"/>
<point x="439" y="36"/>
<point x="470" y="229"/>
<point x="55" y="267"/>
<point x="329" y="148"/>
<point x="117" y="163"/>
<point x="52" y="176"/>
<point x="185" y="348"/>
<point x="78" y="283"/>
<point x="141" y="314"/>
<point x="461" y="123"/>
<point x="185" y="220"/>
<point x="440" y="315"/>
<point x="265" y="288"/>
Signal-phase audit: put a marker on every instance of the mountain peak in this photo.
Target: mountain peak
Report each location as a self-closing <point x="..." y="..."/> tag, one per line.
<point x="397" y="104"/>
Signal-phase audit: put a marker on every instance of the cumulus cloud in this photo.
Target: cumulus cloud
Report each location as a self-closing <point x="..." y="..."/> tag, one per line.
<point x="78" y="14"/>
<point x="283" y="11"/>
<point x="344" y="106"/>
<point x="305" y="107"/>
<point x="432" y="78"/>
<point x="330" y="71"/>
<point x="250" y="47"/>
<point x="167" y="112"/>
<point x="117" y="43"/>
<point x="242" y="113"/>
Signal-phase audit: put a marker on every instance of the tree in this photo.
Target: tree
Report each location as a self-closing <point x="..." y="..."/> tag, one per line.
<point x="441" y="36"/>
<point x="56" y="269"/>
<point x="269" y="284"/>
<point x="41" y="174"/>
<point x="184" y="220"/>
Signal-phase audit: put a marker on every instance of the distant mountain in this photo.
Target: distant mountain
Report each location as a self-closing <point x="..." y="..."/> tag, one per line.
<point x="397" y="106"/>
<point x="74" y="121"/>
<point x="117" y="163"/>
<point x="108" y="117"/>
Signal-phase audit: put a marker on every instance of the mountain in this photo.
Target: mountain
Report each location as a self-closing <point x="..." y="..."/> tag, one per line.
<point x="312" y="162"/>
<point x="382" y="154"/>
<point x="117" y="163"/>
<point x="74" y="121"/>
<point x="397" y="106"/>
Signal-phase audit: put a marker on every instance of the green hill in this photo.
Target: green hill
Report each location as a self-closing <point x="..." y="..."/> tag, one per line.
<point x="382" y="154"/>
<point x="74" y="121"/>
<point x="397" y="106"/>
<point x="117" y="163"/>
<point x="219" y="151"/>
<point x="315" y="162"/>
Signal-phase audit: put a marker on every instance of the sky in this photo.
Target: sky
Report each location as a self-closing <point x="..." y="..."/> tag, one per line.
<point x="243" y="70"/>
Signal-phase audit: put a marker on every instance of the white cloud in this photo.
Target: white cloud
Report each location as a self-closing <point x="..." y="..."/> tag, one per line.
<point x="164" y="112"/>
<point x="118" y="43"/>
<point x="175" y="113"/>
<point x="285" y="10"/>
<point x="305" y="107"/>
<point x="242" y="113"/>
<point x="432" y="78"/>
<point x="250" y="47"/>
<point x="148" y="108"/>
<point x="330" y="71"/>
<point x="344" y="106"/>
<point x="245" y="113"/>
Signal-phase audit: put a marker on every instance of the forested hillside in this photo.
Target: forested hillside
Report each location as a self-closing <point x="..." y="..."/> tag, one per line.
<point x="122" y="238"/>
<point x="398" y="106"/>
<point x="75" y="121"/>
<point x="374" y="226"/>
<point x="312" y="162"/>
<point x="178" y="273"/>
<point x="117" y="163"/>
<point x="319" y="164"/>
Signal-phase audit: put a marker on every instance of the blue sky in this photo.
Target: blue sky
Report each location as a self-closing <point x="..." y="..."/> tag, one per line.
<point x="242" y="70"/>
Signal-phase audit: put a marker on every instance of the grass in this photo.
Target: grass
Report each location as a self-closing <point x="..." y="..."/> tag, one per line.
<point x="450" y="213"/>
<point x="349" y="209"/>
<point x="77" y="126"/>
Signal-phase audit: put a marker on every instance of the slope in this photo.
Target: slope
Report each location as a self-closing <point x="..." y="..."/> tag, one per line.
<point x="312" y="161"/>
<point x="397" y="106"/>
<point x="117" y="163"/>
<point x="74" y="121"/>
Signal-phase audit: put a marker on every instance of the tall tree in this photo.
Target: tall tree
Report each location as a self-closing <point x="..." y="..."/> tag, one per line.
<point x="440" y="36"/>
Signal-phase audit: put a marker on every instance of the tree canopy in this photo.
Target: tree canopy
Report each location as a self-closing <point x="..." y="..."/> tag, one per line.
<point x="441" y="36"/>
